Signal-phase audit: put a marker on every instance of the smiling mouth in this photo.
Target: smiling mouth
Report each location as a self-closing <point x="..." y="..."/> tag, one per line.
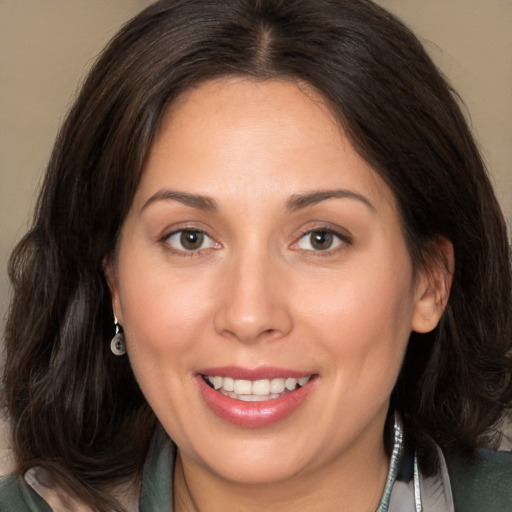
<point x="255" y="390"/>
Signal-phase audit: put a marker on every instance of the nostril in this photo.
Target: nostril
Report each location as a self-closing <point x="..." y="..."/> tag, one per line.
<point x="250" y="317"/>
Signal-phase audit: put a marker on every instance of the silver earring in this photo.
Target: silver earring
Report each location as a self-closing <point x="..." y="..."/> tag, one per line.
<point x="117" y="344"/>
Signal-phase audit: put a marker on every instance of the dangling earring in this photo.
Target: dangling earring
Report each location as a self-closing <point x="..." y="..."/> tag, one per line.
<point x="118" y="345"/>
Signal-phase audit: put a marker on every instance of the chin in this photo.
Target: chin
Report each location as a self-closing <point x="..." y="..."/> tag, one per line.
<point x="244" y="471"/>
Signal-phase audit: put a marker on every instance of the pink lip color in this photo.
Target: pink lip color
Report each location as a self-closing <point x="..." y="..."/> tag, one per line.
<point x="253" y="414"/>
<point x="259" y="373"/>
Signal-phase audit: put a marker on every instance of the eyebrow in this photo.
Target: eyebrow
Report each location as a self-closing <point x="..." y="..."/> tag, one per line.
<point x="299" y="201"/>
<point x="296" y="201"/>
<point x="194" y="200"/>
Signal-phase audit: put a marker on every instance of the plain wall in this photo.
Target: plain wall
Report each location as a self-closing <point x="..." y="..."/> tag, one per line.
<point x="46" y="46"/>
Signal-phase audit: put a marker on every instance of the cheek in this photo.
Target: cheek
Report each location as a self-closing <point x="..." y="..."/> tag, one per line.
<point x="163" y="311"/>
<point x="363" y="333"/>
<point x="363" y="317"/>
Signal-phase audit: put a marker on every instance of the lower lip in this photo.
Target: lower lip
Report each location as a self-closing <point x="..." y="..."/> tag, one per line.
<point x="254" y="414"/>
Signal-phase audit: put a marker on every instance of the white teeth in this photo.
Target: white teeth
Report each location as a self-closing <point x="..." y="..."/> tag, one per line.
<point x="291" y="383"/>
<point x="229" y="384"/>
<point x="261" y="387"/>
<point x="277" y="385"/>
<point x="242" y="387"/>
<point x="258" y="390"/>
<point x="252" y="398"/>
<point x="217" y="382"/>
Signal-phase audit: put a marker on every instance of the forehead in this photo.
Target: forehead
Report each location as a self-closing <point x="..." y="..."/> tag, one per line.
<point x="258" y="137"/>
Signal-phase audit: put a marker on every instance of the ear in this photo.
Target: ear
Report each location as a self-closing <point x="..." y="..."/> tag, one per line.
<point x="109" y="269"/>
<point x="433" y="286"/>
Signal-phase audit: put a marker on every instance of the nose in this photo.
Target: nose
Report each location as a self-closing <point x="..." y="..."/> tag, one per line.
<point x="254" y="303"/>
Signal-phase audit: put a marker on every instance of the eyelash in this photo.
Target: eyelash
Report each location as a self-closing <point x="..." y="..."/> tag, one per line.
<point x="187" y="253"/>
<point x="339" y="240"/>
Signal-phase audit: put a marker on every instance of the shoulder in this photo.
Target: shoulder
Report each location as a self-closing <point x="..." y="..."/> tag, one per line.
<point x="17" y="496"/>
<point x="482" y="483"/>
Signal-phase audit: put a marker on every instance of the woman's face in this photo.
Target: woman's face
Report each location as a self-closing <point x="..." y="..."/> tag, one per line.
<point x="262" y="253"/>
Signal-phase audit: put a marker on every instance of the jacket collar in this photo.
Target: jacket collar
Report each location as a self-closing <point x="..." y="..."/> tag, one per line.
<point x="406" y="489"/>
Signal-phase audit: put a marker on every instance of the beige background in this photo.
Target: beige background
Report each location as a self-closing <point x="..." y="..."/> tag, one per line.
<point x="46" y="46"/>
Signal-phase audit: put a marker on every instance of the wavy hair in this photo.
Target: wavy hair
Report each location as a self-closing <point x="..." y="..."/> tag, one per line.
<point x="76" y="409"/>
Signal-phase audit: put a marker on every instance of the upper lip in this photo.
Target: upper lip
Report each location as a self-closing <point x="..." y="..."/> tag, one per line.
<point x="258" y="373"/>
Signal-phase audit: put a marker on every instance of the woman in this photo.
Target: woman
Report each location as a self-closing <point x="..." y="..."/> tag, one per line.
<point x="281" y="206"/>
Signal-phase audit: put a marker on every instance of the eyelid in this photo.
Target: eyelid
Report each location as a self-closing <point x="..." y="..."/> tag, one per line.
<point x="343" y="238"/>
<point x="165" y="239"/>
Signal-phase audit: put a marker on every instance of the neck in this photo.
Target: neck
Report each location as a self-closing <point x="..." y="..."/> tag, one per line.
<point x="350" y="483"/>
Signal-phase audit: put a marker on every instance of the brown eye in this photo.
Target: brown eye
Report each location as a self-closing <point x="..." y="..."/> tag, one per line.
<point x="190" y="240"/>
<point x="319" y="240"/>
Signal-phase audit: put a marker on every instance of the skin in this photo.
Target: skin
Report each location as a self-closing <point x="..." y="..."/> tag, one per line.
<point x="258" y="292"/>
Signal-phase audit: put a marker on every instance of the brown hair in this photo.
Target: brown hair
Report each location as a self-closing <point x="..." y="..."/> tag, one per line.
<point x="75" y="408"/>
